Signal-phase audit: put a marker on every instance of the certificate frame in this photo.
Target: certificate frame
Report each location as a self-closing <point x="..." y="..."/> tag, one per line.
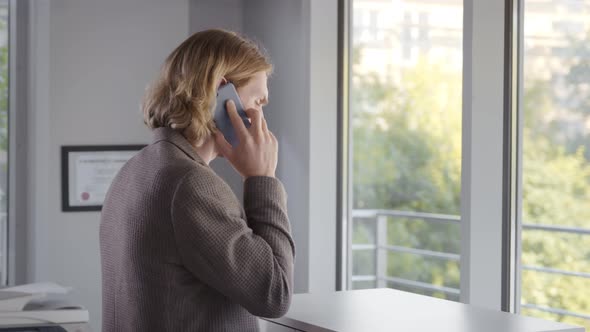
<point x="70" y="171"/>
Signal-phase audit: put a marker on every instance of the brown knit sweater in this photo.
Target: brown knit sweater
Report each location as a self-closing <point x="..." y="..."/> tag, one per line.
<point x="178" y="251"/>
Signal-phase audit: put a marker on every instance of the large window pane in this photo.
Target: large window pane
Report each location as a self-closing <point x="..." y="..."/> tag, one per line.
<point x="555" y="280"/>
<point x="3" y="137"/>
<point x="405" y="107"/>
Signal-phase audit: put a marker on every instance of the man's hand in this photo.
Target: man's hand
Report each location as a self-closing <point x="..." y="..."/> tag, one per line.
<point x="257" y="151"/>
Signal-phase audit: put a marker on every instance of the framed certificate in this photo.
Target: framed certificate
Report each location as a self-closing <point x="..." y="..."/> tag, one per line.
<point x="87" y="173"/>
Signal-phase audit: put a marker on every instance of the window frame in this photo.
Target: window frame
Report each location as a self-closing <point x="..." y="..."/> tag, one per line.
<point x="17" y="248"/>
<point x="490" y="204"/>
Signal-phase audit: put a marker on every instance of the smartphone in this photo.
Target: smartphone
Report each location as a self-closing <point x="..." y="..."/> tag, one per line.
<point x="221" y="117"/>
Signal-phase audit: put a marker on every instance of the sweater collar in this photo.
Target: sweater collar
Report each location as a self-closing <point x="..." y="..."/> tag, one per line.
<point x="176" y="138"/>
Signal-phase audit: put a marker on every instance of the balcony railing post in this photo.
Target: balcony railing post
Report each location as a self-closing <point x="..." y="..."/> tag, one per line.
<point x="381" y="251"/>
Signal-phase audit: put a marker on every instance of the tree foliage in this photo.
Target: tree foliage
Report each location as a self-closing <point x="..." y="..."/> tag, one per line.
<point x="406" y="136"/>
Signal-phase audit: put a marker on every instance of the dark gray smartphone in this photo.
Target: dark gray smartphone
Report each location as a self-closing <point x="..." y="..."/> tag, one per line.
<point x="221" y="117"/>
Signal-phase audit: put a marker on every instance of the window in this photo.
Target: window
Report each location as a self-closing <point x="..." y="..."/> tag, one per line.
<point x="3" y="138"/>
<point x="555" y="270"/>
<point x="405" y="145"/>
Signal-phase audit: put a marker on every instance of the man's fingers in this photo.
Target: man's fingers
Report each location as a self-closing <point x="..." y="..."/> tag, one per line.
<point x="236" y="120"/>
<point x="265" y="127"/>
<point x="256" y="120"/>
<point x="223" y="146"/>
<point x="274" y="138"/>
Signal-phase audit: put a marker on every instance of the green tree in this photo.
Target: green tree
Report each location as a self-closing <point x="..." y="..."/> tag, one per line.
<point x="407" y="156"/>
<point x="556" y="184"/>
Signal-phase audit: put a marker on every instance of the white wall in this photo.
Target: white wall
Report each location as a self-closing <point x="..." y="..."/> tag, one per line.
<point x="224" y="14"/>
<point x="93" y="62"/>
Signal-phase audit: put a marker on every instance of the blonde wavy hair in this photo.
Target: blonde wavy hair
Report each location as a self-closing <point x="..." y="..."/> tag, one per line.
<point x="183" y="95"/>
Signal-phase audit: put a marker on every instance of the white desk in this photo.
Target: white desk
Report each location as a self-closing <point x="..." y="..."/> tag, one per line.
<point x="378" y="310"/>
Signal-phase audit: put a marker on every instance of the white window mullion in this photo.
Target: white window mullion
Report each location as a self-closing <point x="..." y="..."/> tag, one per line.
<point x="482" y="165"/>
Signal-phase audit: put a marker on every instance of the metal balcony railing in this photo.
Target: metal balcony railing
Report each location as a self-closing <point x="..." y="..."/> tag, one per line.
<point x="381" y="249"/>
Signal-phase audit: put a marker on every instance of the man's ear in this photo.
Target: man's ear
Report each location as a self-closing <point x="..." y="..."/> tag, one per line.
<point x="222" y="82"/>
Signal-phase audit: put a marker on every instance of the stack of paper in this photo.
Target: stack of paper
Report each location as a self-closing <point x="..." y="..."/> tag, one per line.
<point x="39" y="288"/>
<point x="39" y="303"/>
<point x="15" y="301"/>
